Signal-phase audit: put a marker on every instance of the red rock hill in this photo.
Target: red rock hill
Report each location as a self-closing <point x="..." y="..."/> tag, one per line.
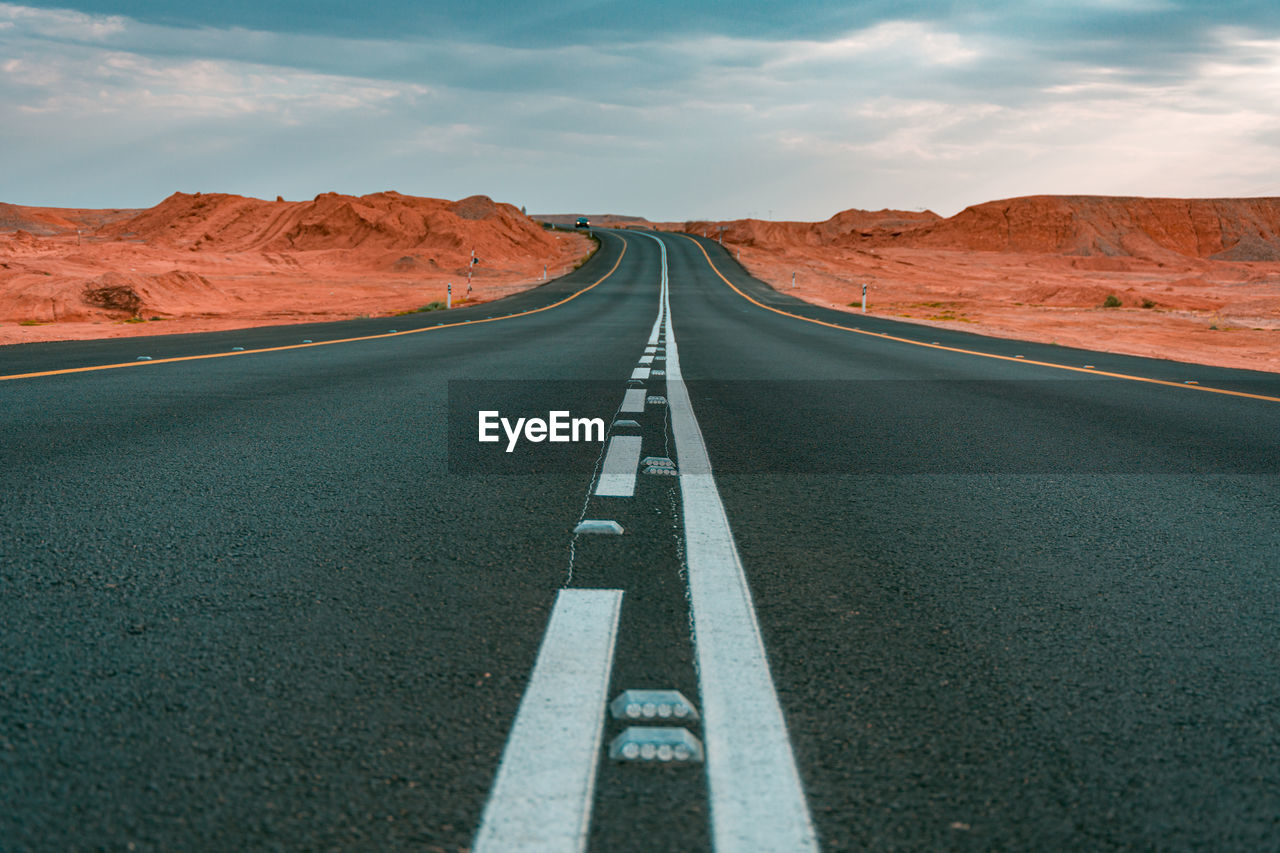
<point x="849" y="227"/>
<point x="1233" y="229"/>
<point x="370" y="224"/>
<point x="1236" y="229"/>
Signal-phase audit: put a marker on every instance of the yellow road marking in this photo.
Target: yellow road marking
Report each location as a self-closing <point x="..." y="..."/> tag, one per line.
<point x="568" y="298"/>
<point x="888" y="337"/>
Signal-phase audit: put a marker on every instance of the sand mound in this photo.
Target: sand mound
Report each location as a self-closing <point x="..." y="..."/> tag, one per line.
<point x="171" y="293"/>
<point x="22" y="243"/>
<point x="35" y="296"/>
<point x="436" y="232"/>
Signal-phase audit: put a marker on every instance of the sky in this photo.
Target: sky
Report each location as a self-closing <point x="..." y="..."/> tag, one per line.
<point x="668" y="110"/>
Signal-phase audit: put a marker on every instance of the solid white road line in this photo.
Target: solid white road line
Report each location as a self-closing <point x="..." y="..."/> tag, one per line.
<point x="618" y="475"/>
<point x="640" y="373"/>
<point x="541" y="798"/>
<point x="757" y="799"/>
<point x="633" y="400"/>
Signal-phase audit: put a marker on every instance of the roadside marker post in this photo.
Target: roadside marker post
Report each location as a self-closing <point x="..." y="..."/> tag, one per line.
<point x="448" y="295"/>
<point x="864" y="298"/>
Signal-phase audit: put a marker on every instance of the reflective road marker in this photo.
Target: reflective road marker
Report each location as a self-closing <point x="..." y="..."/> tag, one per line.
<point x="757" y="800"/>
<point x="541" y="799"/>
<point x="618" y="475"/>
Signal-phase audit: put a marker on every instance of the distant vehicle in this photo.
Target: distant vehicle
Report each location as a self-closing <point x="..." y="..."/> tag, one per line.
<point x="582" y="222"/>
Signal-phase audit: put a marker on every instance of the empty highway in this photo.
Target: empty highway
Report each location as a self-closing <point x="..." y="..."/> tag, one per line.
<point x="924" y="590"/>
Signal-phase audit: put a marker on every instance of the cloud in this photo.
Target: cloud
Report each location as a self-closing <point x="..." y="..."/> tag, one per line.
<point x="886" y="104"/>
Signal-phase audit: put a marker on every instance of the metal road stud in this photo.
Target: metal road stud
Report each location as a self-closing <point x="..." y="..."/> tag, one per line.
<point x="653" y="705"/>
<point x="657" y="744"/>
<point x="626" y="423"/>
<point x="658" y="373"/>
<point x="658" y="465"/>
<point x="598" y="525"/>
<point x="654" y="400"/>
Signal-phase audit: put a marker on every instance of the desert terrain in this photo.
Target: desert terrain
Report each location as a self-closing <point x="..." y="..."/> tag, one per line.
<point x="1188" y="279"/>
<point x="204" y="262"/>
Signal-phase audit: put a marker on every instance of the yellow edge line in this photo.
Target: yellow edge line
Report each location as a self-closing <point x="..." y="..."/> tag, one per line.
<point x="888" y="337"/>
<point x="568" y="298"/>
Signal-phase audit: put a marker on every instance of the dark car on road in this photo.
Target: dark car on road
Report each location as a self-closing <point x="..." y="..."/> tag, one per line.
<point x="582" y="222"/>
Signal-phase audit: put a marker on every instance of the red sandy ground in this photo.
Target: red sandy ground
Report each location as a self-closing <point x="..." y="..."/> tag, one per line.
<point x="206" y="262"/>
<point x="1198" y="280"/>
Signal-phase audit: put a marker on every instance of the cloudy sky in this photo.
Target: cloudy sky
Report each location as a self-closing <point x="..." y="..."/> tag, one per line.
<point x="670" y="110"/>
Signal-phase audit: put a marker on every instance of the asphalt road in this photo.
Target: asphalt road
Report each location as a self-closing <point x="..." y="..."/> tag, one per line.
<point x="282" y="600"/>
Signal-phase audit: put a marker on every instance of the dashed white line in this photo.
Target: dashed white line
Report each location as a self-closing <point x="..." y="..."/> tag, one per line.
<point x="646" y="359"/>
<point x="640" y="373"/>
<point x="633" y="400"/>
<point x="618" y="474"/>
<point x="541" y="799"/>
<point x="757" y="799"/>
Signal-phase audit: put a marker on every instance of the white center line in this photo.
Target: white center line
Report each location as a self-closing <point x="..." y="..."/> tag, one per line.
<point x="618" y="475"/>
<point x="541" y="798"/>
<point x="757" y="799"/>
<point x="633" y="400"/>
<point x="657" y="328"/>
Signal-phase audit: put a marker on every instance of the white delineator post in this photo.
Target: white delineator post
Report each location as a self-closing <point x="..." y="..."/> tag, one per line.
<point x="864" y="298"/>
<point x="448" y="296"/>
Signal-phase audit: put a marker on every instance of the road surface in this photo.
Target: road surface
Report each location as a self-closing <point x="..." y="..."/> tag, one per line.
<point x="927" y="590"/>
